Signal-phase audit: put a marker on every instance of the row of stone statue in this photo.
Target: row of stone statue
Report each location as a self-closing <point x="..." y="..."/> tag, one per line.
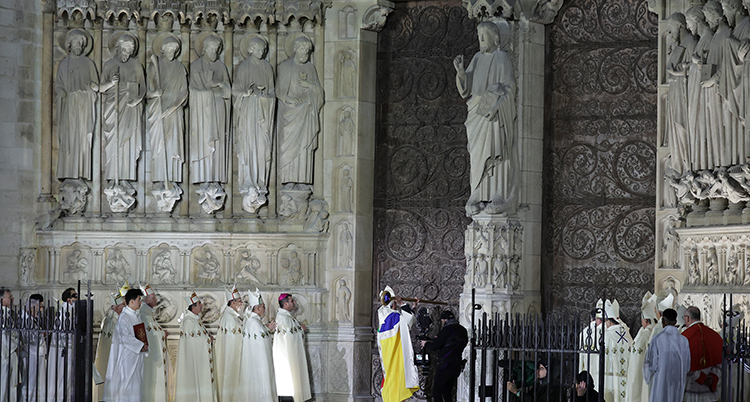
<point x="166" y="89"/>
<point x="709" y="86"/>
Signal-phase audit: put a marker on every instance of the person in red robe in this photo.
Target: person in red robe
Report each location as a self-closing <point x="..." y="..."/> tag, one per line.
<point x="703" y="379"/>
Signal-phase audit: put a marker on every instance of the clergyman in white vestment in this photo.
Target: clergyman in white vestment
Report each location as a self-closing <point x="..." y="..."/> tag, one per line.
<point x="194" y="377"/>
<point x="61" y="351"/>
<point x="157" y="368"/>
<point x="667" y="362"/>
<point x="228" y="348"/>
<point x="289" y="358"/>
<point x="257" y="376"/>
<point x="8" y="381"/>
<point x="125" y="367"/>
<point x="105" y="339"/>
<point x="637" y="389"/>
<point x="617" y="340"/>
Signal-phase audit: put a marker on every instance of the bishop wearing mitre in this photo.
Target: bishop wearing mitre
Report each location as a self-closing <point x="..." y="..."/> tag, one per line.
<point x="229" y="347"/>
<point x="157" y="369"/>
<point x="289" y="358"/>
<point x="256" y="369"/>
<point x="637" y="388"/>
<point x="106" y="332"/>
<point x="194" y="379"/>
<point x="125" y="367"/>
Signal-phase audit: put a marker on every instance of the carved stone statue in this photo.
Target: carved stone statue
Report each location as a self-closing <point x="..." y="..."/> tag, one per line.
<point x="343" y="299"/>
<point x="123" y="86"/>
<point x="254" y="107"/>
<point x="73" y="196"/>
<point x="731" y="275"/>
<point x="681" y="49"/>
<point x="162" y="268"/>
<point x="300" y="100"/>
<point x="490" y="85"/>
<point x="165" y="128"/>
<point x="670" y="247"/>
<point x="500" y="271"/>
<point x="209" y="269"/>
<point x="118" y="268"/>
<point x="346" y="129"/>
<point x="347" y="74"/>
<point x="28" y="267"/>
<point x="697" y="114"/>
<point x="76" y="107"/>
<point x="480" y="278"/>
<point x="347" y="191"/>
<point x="345" y="247"/>
<point x="712" y="267"/>
<point x="694" y="276"/>
<point x="210" y="93"/>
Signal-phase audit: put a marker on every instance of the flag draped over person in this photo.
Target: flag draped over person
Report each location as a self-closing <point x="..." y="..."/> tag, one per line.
<point x="400" y="377"/>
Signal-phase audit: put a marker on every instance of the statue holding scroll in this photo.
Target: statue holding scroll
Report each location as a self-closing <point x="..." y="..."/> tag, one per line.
<point x="490" y="85"/>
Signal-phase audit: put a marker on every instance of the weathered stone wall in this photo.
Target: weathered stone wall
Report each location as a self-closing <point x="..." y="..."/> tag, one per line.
<point x="20" y="50"/>
<point x="600" y="153"/>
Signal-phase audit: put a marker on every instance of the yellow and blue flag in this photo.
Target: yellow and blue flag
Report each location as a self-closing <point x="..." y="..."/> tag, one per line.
<point x="400" y="378"/>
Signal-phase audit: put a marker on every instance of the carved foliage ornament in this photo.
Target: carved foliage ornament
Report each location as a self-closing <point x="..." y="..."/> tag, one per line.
<point x="539" y="11"/>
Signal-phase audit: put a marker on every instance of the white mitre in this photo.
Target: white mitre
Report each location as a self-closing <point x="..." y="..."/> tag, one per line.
<point x="667" y="302"/>
<point x="648" y="306"/>
<point x="254" y="298"/>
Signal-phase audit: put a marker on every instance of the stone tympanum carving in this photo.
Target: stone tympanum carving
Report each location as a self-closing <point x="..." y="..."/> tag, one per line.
<point x="254" y="106"/>
<point x="123" y="86"/>
<point x="76" y="106"/>
<point x="210" y="93"/>
<point x="165" y="128"/>
<point x="490" y="85"/>
<point x="300" y="100"/>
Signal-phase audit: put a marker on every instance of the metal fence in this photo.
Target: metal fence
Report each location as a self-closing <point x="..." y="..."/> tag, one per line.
<point x="508" y="348"/>
<point x="46" y="352"/>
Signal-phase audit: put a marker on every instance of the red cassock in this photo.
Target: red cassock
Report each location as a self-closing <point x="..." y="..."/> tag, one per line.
<point x="705" y="346"/>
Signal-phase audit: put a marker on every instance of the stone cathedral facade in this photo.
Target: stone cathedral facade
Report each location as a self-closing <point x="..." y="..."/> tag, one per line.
<point x="331" y="148"/>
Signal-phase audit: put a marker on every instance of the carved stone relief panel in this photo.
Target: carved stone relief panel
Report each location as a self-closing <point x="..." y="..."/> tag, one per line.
<point x="291" y="270"/>
<point x="206" y="266"/>
<point x="601" y="143"/>
<point x="119" y="265"/>
<point x="74" y="266"/>
<point x="163" y="265"/>
<point x="249" y="269"/>
<point x="346" y="74"/>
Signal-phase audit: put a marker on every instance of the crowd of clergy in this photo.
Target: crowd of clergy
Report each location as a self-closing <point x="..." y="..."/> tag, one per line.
<point x="674" y="357"/>
<point x="247" y="360"/>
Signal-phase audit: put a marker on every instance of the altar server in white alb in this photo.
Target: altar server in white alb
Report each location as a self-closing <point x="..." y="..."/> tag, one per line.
<point x="617" y="340"/>
<point x="289" y="359"/>
<point x="107" y="330"/>
<point x="8" y="380"/>
<point x="194" y="379"/>
<point x="59" y="363"/>
<point x="257" y="376"/>
<point x="229" y="347"/>
<point x="35" y="350"/>
<point x="157" y="369"/>
<point x="125" y="368"/>
<point x="637" y="389"/>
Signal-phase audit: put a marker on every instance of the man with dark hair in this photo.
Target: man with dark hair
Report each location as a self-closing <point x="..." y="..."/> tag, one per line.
<point x="289" y="357"/>
<point x="8" y="381"/>
<point x="584" y="388"/>
<point x="667" y="361"/>
<point x="34" y="347"/>
<point x="449" y="344"/>
<point x="194" y="376"/>
<point x="541" y="389"/>
<point x="704" y="377"/>
<point x="125" y="367"/>
<point x="70" y="296"/>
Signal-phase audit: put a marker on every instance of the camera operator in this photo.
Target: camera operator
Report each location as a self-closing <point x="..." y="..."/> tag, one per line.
<point x="449" y="344"/>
